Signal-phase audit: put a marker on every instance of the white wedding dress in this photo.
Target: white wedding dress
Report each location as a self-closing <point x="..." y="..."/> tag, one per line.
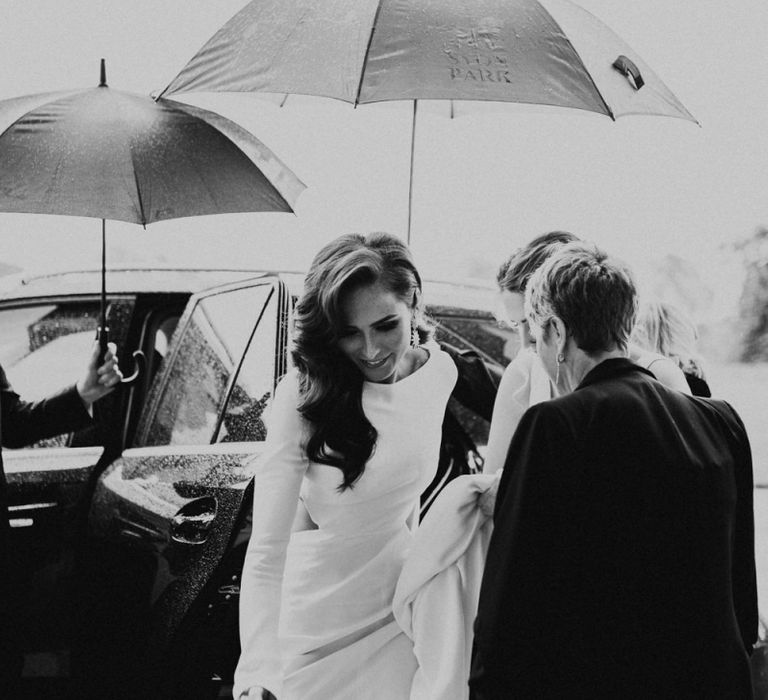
<point x="316" y="619"/>
<point x="436" y="597"/>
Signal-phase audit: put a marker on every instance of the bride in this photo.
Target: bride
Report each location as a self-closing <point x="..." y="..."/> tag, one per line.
<point x="354" y="436"/>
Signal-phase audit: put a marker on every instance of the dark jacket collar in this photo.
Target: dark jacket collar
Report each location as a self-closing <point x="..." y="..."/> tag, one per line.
<point x="610" y="369"/>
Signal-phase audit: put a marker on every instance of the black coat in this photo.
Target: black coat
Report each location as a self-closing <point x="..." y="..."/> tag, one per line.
<point x="622" y="559"/>
<point x="22" y="423"/>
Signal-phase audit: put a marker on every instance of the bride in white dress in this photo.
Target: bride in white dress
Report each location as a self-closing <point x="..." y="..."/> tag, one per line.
<point x="354" y="436"/>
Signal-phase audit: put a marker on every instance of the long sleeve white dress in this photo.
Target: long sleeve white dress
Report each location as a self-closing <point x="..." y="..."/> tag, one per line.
<point x="316" y="619"/>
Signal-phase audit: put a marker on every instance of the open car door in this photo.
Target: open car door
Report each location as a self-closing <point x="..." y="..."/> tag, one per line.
<point x="167" y="520"/>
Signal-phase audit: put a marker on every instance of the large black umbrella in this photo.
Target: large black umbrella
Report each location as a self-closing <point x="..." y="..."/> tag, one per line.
<point x="109" y="154"/>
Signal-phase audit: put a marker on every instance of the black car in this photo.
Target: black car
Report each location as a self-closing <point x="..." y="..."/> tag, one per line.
<point x="133" y="531"/>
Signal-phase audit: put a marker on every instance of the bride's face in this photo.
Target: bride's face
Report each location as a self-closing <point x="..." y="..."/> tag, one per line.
<point x="376" y="332"/>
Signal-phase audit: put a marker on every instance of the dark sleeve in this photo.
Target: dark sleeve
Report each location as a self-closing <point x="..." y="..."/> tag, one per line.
<point x="697" y="385"/>
<point x="477" y="381"/>
<point x="743" y="570"/>
<point x="524" y="590"/>
<point x="26" y="422"/>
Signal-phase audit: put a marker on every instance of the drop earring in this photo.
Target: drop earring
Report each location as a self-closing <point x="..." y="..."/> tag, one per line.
<point x="415" y="338"/>
<point x="560" y="360"/>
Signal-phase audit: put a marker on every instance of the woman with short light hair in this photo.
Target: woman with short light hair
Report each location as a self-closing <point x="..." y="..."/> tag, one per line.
<point x="621" y="562"/>
<point x="584" y="298"/>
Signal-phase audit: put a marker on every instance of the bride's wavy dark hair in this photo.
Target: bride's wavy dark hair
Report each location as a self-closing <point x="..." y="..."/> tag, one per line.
<point x="330" y="385"/>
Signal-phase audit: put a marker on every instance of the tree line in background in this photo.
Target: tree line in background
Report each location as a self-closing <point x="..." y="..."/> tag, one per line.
<point x="753" y="304"/>
<point x="742" y="337"/>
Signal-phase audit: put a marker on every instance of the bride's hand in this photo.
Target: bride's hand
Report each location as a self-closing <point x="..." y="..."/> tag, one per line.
<point x="487" y="500"/>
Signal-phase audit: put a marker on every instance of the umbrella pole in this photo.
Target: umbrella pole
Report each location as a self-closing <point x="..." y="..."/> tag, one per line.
<point x="139" y="359"/>
<point x="410" y="180"/>
<point x="103" y="330"/>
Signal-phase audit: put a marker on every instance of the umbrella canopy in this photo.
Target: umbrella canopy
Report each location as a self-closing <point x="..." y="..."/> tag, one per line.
<point x="548" y="52"/>
<point x="544" y="52"/>
<point x="109" y="154"/>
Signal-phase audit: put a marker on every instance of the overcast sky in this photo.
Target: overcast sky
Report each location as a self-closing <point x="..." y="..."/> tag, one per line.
<point x="641" y="187"/>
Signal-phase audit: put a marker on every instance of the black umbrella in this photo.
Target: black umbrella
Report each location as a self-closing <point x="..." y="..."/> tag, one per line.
<point x="108" y="154"/>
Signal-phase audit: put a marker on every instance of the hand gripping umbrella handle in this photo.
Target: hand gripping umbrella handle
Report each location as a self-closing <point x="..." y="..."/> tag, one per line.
<point x="139" y="358"/>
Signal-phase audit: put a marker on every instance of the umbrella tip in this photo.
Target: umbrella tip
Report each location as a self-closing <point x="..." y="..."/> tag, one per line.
<point x="103" y="81"/>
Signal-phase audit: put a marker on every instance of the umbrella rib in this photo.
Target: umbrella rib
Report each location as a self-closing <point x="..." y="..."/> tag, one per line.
<point x="142" y="215"/>
<point x="608" y="110"/>
<point x="594" y="84"/>
<point x="367" y="51"/>
<point x="410" y="179"/>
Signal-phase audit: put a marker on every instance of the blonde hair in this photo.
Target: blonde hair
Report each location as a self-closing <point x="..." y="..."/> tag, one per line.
<point x="666" y="329"/>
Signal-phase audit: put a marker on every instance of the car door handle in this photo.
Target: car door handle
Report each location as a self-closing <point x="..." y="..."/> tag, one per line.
<point x="28" y="510"/>
<point x="192" y="524"/>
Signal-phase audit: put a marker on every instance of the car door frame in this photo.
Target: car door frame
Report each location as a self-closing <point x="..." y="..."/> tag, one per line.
<point x="204" y="594"/>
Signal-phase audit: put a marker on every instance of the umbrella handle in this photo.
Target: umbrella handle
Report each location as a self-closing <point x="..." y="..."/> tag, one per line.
<point x="139" y="358"/>
<point x="139" y="367"/>
<point x="628" y="69"/>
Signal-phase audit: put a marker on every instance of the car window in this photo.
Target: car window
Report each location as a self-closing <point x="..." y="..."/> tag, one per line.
<point x="208" y="350"/>
<point x="481" y="333"/>
<point x="252" y="390"/>
<point x="162" y="329"/>
<point x="46" y="347"/>
<point x="163" y="334"/>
